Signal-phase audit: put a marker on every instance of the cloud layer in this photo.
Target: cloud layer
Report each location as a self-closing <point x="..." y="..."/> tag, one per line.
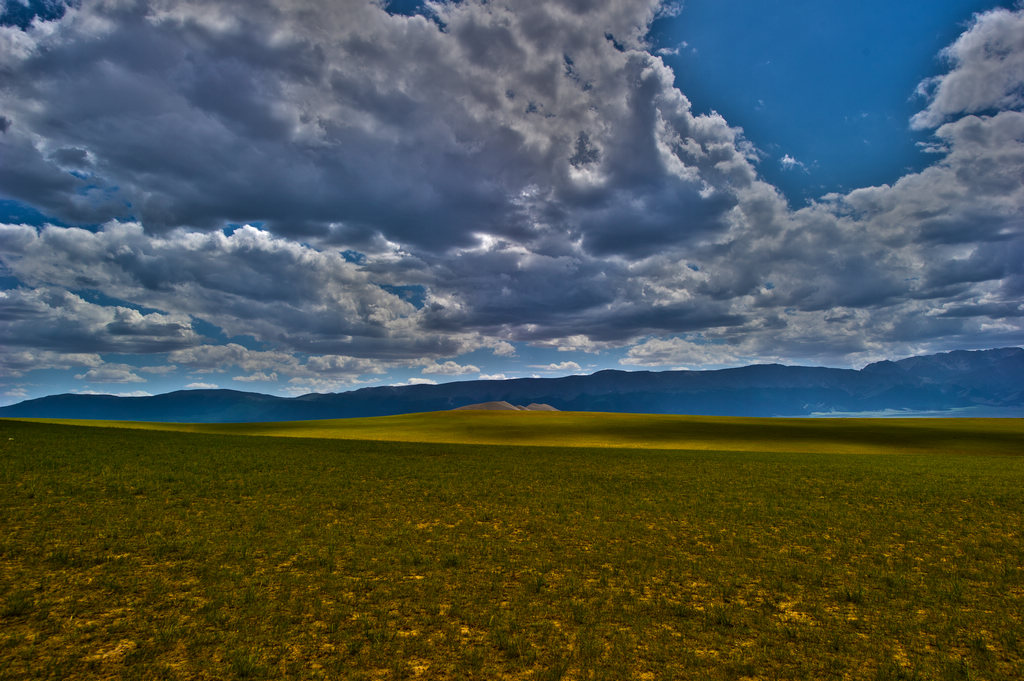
<point x="415" y="188"/>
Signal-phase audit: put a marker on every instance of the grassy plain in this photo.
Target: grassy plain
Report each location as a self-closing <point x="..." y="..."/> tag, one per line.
<point x="640" y="431"/>
<point x="152" y="554"/>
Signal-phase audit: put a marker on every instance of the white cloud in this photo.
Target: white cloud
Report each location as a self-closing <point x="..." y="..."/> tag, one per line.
<point x="131" y="393"/>
<point x="202" y="386"/>
<point x="680" y="353"/>
<point x="563" y="367"/>
<point x="492" y="377"/>
<point x="15" y="363"/>
<point x="219" y="358"/>
<point x="311" y="384"/>
<point x="987" y="70"/>
<point x="789" y="163"/>
<point x="257" y="377"/>
<point x="418" y="381"/>
<point x="503" y="348"/>
<point x="111" y="373"/>
<point x="450" y="369"/>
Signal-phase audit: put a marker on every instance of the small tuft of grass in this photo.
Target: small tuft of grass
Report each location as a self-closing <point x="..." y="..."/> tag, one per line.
<point x="512" y="641"/>
<point x="245" y="664"/>
<point x="854" y="594"/>
<point x="719" y="616"/>
<point x="17" y="604"/>
<point x="554" y="670"/>
<point x="890" y="671"/>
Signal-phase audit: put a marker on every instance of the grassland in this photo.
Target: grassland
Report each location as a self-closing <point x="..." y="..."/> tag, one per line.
<point x="640" y="431"/>
<point x="153" y="554"/>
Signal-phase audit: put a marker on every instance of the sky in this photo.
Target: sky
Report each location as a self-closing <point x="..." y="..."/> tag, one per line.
<point x="293" y="196"/>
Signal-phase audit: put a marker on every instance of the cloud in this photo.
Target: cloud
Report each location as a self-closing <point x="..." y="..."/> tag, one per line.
<point x="503" y="348"/>
<point x="492" y="377"/>
<point x="130" y="393"/>
<point x="567" y="366"/>
<point x="220" y="358"/>
<point x="789" y="163"/>
<point x="559" y="156"/>
<point x="680" y="353"/>
<point x="527" y="175"/>
<point x="52" y="318"/>
<point x="987" y="71"/>
<point x="450" y="368"/>
<point x="161" y="370"/>
<point x="257" y="377"/>
<point x="202" y="386"/>
<point x="16" y="362"/>
<point x="338" y="121"/>
<point x="576" y="343"/>
<point x="292" y="295"/>
<point x="419" y="381"/>
<point x="22" y="13"/>
<point x="111" y="373"/>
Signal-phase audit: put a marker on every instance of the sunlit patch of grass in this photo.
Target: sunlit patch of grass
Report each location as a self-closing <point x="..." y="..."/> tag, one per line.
<point x="649" y="431"/>
<point x="162" y="555"/>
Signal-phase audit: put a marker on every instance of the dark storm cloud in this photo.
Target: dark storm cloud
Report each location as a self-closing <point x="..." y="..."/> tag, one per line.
<point x="528" y="169"/>
<point x="316" y="124"/>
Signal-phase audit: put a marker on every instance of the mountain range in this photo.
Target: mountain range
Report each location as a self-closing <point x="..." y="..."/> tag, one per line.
<point x="960" y="383"/>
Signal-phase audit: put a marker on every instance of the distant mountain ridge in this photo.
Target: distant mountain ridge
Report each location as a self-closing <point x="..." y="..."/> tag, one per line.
<point x="976" y="383"/>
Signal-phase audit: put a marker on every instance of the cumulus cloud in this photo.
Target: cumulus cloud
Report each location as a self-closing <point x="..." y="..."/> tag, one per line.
<point x="111" y="373"/>
<point x="567" y="366"/>
<point x="450" y="368"/>
<point x="502" y="348"/>
<point x="52" y="318"/>
<point x="527" y="174"/>
<point x="419" y="381"/>
<point x="220" y="358"/>
<point x="987" y="71"/>
<point x="681" y="353"/>
<point x="258" y="377"/>
<point x="202" y="386"/>
<point x="17" y="362"/>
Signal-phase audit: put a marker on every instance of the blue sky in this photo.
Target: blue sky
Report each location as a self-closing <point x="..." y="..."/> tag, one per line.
<point x="830" y="84"/>
<point x="291" y="201"/>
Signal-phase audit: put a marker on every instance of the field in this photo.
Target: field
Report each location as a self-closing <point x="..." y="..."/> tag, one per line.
<point x="641" y="431"/>
<point x="719" y="549"/>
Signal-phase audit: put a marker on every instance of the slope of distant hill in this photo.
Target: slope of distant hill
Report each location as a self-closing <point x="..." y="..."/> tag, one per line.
<point x="977" y="383"/>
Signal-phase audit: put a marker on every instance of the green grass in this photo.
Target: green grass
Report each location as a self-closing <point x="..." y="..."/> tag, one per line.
<point x="166" y="555"/>
<point x="649" y="431"/>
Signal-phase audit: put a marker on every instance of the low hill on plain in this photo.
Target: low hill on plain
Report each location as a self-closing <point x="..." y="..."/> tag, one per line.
<point x="505" y="406"/>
